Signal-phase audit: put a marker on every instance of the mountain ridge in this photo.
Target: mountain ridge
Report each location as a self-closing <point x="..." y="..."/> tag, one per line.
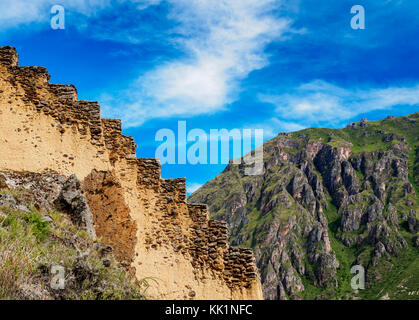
<point x="329" y="199"/>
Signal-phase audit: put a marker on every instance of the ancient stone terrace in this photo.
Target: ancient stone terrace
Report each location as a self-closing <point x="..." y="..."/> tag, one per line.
<point x="60" y="102"/>
<point x="145" y="218"/>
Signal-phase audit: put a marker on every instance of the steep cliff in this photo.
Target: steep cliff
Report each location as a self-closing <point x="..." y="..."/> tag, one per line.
<point x="328" y="200"/>
<point x="153" y="231"/>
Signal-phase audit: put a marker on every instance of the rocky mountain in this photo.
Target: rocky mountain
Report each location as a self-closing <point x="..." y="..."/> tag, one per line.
<point x="329" y="199"/>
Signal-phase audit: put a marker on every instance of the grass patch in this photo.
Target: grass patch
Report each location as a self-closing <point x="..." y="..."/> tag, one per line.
<point x="30" y="246"/>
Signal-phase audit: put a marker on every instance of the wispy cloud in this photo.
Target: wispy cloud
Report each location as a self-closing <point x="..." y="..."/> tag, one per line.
<point x="272" y="126"/>
<point x="192" y="187"/>
<point x="116" y="20"/>
<point x="16" y="13"/>
<point x="218" y="44"/>
<point x="322" y="102"/>
<point x="222" y="42"/>
<point x="276" y="125"/>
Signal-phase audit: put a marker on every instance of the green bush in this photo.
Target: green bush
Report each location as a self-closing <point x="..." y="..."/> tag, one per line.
<point x="40" y="228"/>
<point x="29" y="247"/>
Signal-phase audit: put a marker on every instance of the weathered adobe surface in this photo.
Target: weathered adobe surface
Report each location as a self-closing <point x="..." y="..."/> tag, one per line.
<point x="146" y="219"/>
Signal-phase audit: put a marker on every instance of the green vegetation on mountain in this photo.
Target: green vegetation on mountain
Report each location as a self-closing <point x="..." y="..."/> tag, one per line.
<point x="329" y="199"/>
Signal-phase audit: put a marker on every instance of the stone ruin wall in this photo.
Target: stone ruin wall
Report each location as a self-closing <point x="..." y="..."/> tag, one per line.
<point x="147" y="220"/>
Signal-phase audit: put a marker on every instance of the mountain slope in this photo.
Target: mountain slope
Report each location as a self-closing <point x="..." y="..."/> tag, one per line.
<point x="329" y="199"/>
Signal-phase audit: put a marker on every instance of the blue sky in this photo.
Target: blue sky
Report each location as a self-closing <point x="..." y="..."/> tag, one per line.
<point x="269" y="64"/>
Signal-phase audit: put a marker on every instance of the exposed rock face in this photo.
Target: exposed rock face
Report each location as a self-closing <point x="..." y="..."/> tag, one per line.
<point x="72" y="198"/>
<point x="323" y="188"/>
<point x="40" y="189"/>
<point x="146" y="219"/>
<point x="43" y="235"/>
<point x="48" y="191"/>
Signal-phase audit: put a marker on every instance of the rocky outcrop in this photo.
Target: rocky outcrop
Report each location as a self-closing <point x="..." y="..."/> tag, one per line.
<point x="146" y="219"/>
<point x="322" y="189"/>
<point x="48" y="191"/>
<point x="43" y="238"/>
<point x="71" y="199"/>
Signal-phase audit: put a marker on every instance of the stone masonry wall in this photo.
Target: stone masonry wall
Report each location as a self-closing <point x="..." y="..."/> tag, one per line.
<point x="146" y="219"/>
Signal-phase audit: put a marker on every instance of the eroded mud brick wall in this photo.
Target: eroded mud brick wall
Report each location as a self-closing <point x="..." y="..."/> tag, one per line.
<point x="147" y="220"/>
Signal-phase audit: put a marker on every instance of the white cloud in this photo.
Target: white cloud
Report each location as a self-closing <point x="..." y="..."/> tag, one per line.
<point x="36" y="14"/>
<point x="223" y="41"/>
<point x="271" y="127"/>
<point x="192" y="187"/>
<point x="144" y="4"/>
<point x="284" y="126"/>
<point x="15" y="13"/>
<point x="320" y="101"/>
<point x="220" y="43"/>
